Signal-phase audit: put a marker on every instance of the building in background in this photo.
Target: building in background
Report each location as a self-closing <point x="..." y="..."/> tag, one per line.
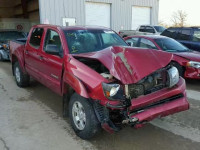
<point x="115" y="14"/>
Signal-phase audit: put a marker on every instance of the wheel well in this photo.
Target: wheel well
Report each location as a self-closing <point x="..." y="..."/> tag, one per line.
<point x="176" y="64"/>
<point x="68" y="91"/>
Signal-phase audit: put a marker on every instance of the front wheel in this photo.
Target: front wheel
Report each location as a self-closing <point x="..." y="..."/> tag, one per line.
<point x="21" y="78"/>
<point x="82" y="117"/>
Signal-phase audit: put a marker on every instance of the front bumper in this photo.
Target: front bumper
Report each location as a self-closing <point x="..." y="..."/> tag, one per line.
<point x="192" y="73"/>
<point x="173" y="103"/>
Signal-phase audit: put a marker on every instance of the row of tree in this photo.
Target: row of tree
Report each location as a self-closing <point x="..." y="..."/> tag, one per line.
<point x="178" y="19"/>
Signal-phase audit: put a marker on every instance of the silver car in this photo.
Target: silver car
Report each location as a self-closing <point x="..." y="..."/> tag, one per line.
<point x="5" y="36"/>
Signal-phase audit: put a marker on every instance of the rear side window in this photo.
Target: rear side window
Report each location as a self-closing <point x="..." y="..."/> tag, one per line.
<point x="132" y="42"/>
<point x="144" y="43"/>
<point x="36" y="37"/>
<point x="196" y="36"/>
<point x="142" y="29"/>
<point x="184" y="35"/>
<point x="150" y="29"/>
<point x="169" y="33"/>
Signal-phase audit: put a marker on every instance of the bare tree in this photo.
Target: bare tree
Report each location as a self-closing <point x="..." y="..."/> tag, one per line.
<point x="179" y="18"/>
<point x="162" y="23"/>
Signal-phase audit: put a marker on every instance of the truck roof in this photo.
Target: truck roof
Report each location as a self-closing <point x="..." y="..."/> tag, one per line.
<point x="74" y="27"/>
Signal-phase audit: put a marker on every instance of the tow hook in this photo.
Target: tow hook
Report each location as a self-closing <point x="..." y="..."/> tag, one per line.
<point x="130" y="121"/>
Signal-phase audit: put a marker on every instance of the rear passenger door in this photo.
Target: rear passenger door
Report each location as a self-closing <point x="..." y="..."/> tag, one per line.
<point x="32" y="50"/>
<point x="184" y="37"/>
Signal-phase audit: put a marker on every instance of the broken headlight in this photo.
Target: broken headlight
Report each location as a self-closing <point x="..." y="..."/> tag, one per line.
<point x="194" y="64"/>
<point x="173" y="76"/>
<point x="113" y="91"/>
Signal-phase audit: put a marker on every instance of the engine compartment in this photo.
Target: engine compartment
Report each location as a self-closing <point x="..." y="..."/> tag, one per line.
<point x="152" y="83"/>
<point x="96" y="66"/>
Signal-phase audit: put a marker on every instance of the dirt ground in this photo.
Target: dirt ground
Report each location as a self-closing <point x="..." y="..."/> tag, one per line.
<point x="31" y="119"/>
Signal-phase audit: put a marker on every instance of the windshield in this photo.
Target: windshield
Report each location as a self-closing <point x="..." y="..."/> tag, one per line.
<point x="171" y="45"/>
<point x="83" y="41"/>
<point x="159" y="28"/>
<point x="10" y="35"/>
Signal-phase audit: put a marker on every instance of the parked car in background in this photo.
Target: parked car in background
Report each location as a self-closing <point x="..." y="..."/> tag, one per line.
<point x="142" y="30"/>
<point x="104" y="83"/>
<point x="190" y="37"/>
<point x="5" y="37"/>
<point x="187" y="62"/>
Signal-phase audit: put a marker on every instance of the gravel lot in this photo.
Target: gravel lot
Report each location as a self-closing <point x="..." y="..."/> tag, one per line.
<point x="31" y="119"/>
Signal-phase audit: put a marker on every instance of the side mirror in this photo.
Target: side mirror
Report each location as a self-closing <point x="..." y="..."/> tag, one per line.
<point x="52" y="49"/>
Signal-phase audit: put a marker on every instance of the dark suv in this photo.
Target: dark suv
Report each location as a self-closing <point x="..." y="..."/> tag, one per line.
<point x="188" y="36"/>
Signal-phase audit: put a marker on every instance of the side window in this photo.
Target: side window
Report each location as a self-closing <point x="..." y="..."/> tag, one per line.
<point x="52" y="39"/>
<point x="196" y="36"/>
<point x="150" y="29"/>
<point x="184" y="35"/>
<point x="144" y="43"/>
<point x="169" y="33"/>
<point x="142" y="29"/>
<point x="132" y="42"/>
<point x="36" y="37"/>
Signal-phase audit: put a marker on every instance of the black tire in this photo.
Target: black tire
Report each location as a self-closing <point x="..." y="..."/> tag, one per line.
<point x="1" y="58"/>
<point x="65" y="106"/>
<point x="92" y="125"/>
<point x="180" y="68"/>
<point x="24" y="79"/>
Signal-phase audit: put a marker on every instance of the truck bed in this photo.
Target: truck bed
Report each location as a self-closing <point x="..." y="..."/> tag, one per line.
<point x="17" y="46"/>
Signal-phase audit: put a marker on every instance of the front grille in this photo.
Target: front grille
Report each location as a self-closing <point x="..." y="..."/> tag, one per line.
<point x="152" y="83"/>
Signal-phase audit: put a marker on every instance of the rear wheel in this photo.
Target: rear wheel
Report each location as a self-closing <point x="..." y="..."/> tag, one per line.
<point x="1" y="57"/>
<point x="21" y="78"/>
<point x="82" y="117"/>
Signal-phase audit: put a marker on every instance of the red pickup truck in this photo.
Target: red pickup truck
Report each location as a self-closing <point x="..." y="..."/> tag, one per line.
<point x="104" y="83"/>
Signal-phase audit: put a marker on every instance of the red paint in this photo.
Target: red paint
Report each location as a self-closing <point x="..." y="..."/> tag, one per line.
<point x="182" y="58"/>
<point x="169" y="108"/>
<point x="139" y="66"/>
<point x="157" y="96"/>
<point x="126" y="64"/>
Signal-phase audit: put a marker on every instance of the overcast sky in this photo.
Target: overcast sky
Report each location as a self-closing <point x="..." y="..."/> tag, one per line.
<point x="191" y="7"/>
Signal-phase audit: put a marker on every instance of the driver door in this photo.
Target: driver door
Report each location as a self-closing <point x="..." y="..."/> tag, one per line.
<point x="51" y="64"/>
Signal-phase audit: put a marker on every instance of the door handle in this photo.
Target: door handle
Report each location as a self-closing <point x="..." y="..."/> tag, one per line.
<point x="26" y="52"/>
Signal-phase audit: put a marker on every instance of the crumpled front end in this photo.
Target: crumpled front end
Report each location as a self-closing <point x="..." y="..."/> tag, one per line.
<point x="136" y="85"/>
<point x="159" y="104"/>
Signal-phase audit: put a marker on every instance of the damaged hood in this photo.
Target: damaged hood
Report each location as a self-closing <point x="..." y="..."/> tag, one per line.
<point x="130" y="65"/>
